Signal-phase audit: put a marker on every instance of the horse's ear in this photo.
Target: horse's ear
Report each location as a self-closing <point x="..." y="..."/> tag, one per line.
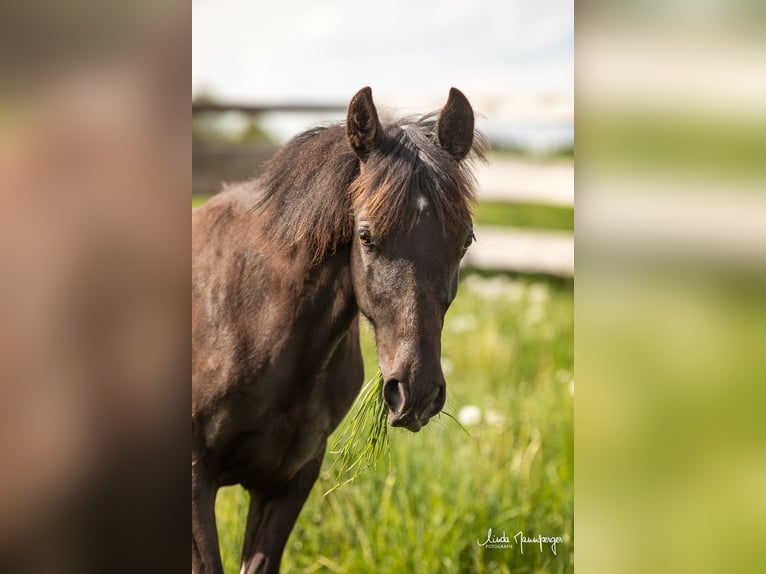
<point x="454" y="128"/>
<point x="363" y="129"/>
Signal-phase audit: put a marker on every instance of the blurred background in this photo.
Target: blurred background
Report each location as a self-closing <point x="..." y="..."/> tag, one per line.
<point x="671" y="314"/>
<point x="95" y="168"/>
<point x="263" y="73"/>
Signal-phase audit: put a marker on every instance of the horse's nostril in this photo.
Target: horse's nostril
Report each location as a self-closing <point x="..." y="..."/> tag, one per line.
<point x="394" y="393"/>
<point x="438" y="403"/>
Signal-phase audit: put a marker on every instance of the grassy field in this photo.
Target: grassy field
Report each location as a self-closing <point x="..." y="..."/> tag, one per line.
<point x="508" y="357"/>
<point x="526" y="215"/>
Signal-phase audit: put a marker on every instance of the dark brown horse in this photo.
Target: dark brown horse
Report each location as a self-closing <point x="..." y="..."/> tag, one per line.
<point x="361" y="217"/>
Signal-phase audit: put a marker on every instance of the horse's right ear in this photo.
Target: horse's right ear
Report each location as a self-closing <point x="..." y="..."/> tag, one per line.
<point x="363" y="129"/>
<point x="454" y="127"/>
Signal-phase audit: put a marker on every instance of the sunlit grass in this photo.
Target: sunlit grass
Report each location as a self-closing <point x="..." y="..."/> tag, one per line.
<point x="507" y="349"/>
<point x="361" y="442"/>
<point x="525" y="215"/>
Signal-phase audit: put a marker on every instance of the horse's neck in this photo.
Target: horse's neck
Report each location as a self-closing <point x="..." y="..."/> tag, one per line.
<point x="320" y="294"/>
<point x="329" y="294"/>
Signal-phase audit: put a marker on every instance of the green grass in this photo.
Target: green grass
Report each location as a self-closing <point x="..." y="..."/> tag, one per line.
<point x="524" y="215"/>
<point x="499" y="213"/>
<point x="361" y="442"/>
<point x="508" y="350"/>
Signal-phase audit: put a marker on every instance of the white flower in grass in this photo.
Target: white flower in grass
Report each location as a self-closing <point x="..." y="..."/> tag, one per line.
<point x="497" y="288"/>
<point x="447" y="365"/>
<point x="469" y="415"/>
<point x="495" y="419"/>
<point x="534" y="315"/>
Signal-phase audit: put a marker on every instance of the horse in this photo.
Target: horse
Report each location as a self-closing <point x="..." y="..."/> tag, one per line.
<point x="347" y="219"/>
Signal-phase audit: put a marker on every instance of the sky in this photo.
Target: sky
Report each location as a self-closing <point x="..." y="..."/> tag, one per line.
<point x="409" y="51"/>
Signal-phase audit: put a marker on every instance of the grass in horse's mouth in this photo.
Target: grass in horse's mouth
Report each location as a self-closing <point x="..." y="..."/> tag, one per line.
<point x="362" y="438"/>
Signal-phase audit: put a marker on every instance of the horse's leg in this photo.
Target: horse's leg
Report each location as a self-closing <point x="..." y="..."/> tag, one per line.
<point x="271" y="518"/>
<point x="206" y="556"/>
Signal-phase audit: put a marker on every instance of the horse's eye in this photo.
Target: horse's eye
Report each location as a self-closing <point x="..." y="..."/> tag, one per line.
<point x="365" y="236"/>
<point x="468" y="241"/>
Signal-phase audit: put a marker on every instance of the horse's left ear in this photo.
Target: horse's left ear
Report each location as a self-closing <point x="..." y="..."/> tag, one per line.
<point x="363" y="129"/>
<point x="454" y="128"/>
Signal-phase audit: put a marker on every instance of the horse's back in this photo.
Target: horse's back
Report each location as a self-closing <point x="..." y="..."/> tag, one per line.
<point x="243" y="311"/>
<point x="229" y="276"/>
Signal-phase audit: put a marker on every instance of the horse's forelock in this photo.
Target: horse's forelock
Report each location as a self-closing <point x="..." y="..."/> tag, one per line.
<point x="410" y="164"/>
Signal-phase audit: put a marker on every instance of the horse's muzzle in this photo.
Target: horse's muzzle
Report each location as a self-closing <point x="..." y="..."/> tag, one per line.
<point x="411" y="423"/>
<point x="396" y="394"/>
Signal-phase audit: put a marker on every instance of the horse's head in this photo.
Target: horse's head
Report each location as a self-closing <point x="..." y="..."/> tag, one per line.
<point x="412" y="225"/>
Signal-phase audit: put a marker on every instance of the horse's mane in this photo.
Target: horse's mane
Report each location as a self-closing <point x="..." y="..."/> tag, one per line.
<point x="309" y="186"/>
